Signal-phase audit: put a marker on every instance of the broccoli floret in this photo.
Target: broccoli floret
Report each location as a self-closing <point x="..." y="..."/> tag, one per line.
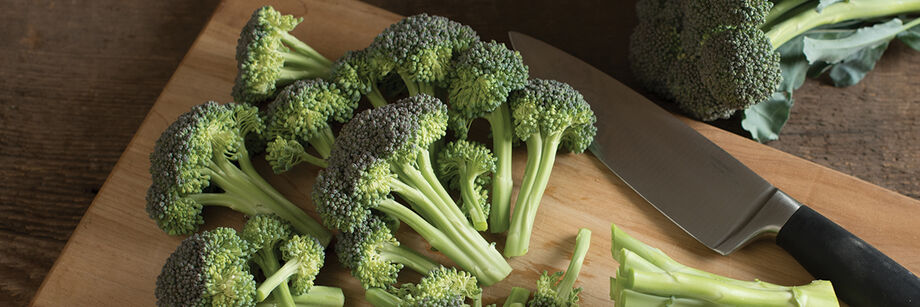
<point x="269" y="57"/>
<point x="440" y="287"/>
<point x="713" y="58"/>
<point x="207" y="269"/>
<point x="303" y="257"/>
<point x="201" y="160"/>
<point x="482" y="78"/>
<point x="558" y="289"/>
<point x="355" y="75"/>
<point x="466" y="165"/>
<point x="547" y="114"/>
<point x="385" y="150"/>
<point x="375" y="257"/>
<point x="264" y="233"/>
<point x="301" y="113"/>
<point x="420" y="49"/>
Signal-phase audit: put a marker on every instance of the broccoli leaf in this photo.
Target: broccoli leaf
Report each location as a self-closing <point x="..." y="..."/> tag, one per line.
<point x="836" y="50"/>
<point x="853" y="69"/>
<point x="765" y="119"/>
<point x="911" y="37"/>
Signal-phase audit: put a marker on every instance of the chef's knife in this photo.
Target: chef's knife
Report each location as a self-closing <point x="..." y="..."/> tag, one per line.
<point x="710" y="194"/>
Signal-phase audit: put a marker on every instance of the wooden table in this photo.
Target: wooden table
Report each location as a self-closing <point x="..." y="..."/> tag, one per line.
<point x="76" y="79"/>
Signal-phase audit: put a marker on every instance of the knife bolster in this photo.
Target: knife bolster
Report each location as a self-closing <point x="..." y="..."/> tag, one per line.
<point x="767" y="221"/>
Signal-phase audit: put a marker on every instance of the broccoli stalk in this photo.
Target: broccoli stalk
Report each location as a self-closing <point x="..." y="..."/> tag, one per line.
<point x="439" y="287"/>
<point x="321" y="296"/>
<point x="517" y="298"/>
<point x="482" y="78"/>
<point x="465" y="164"/>
<point x="384" y="151"/>
<point x="268" y="57"/>
<point x="647" y="275"/>
<point x="201" y="160"/>
<point x="375" y="257"/>
<point x="547" y="114"/>
<point x="303" y="258"/>
<point x="263" y="233"/>
<point x="559" y="289"/>
<point x="789" y="27"/>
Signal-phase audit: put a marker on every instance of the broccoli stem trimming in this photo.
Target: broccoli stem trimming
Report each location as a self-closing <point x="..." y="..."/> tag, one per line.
<point x="502" y="182"/>
<point x="541" y="154"/>
<point x="247" y="192"/>
<point x="788" y="28"/>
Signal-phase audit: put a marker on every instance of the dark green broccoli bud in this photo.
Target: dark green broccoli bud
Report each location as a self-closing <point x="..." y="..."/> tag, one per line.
<point x="546" y="114"/>
<point x="715" y="14"/>
<point x="269" y="57"/>
<point x="558" y="289"/>
<point x="655" y="43"/>
<point x="375" y="257"/>
<point x="482" y="78"/>
<point x="384" y="151"/>
<point x="466" y="165"/>
<point x="201" y="160"/>
<point x="302" y="113"/>
<point x="420" y="48"/>
<point x="355" y="75"/>
<point x="440" y="287"/>
<point x="207" y="269"/>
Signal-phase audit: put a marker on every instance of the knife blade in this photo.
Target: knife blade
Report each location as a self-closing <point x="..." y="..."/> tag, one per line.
<point x="710" y="194"/>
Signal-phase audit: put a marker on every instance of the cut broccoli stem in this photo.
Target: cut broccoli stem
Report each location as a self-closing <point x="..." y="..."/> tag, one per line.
<point x="408" y="257"/>
<point x="301" y="47"/>
<point x="517" y="298"/>
<point x="789" y="28"/>
<point x="376" y="97"/>
<point x="322" y="296"/>
<point x="582" y="242"/>
<point x="633" y="298"/>
<point x="267" y="260"/>
<point x="381" y="298"/>
<point x="471" y="199"/>
<point x="502" y="182"/>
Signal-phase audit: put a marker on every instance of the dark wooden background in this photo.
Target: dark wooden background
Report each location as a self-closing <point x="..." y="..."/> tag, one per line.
<point x="77" y="78"/>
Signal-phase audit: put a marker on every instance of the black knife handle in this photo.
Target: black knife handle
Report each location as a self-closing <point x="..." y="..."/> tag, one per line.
<point x="861" y="274"/>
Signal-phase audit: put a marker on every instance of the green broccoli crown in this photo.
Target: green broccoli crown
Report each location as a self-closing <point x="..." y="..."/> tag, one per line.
<point x="260" y="54"/>
<point x="548" y="107"/>
<point x="358" y="176"/>
<point x="655" y="43"/>
<point x="441" y="287"/>
<point x="303" y="109"/>
<point x="421" y="46"/>
<point x="207" y="269"/>
<point x="182" y="156"/>
<point x="704" y="16"/>
<point x="265" y="231"/>
<point x="309" y="255"/>
<point x="361" y="251"/>
<point x="283" y="154"/>
<point x="482" y="77"/>
<point x="547" y="295"/>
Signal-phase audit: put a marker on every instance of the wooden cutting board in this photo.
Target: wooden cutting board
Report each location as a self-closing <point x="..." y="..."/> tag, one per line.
<point x="116" y="252"/>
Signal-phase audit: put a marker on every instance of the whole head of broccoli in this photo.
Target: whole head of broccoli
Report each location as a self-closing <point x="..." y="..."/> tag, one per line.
<point x="466" y="166"/>
<point x="189" y="154"/>
<point x="207" y="269"/>
<point x="420" y="49"/>
<point x="269" y="57"/>
<point x="375" y="257"/>
<point x="552" y="109"/>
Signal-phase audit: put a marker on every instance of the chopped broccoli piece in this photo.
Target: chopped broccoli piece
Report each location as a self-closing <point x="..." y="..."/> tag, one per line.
<point x="482" y="78"/>
<point x="466" y="165"/>
<point x="547" y="114"/>
<point x="385" y="150"/>
<point x="375" y="257"/>
<point x="420" y="49"/>
<point x="269" y="57"/>
<point x="301" y="113"/>
<point x="558" y="289"/>
<point x="440" y="287"/>
<point x="201" y="160"/>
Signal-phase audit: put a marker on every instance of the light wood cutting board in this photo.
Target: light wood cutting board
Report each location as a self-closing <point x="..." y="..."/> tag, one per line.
<point x="116" y="252"/>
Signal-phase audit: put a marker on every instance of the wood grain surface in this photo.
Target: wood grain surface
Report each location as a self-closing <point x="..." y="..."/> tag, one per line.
<point x="77" y="77"/>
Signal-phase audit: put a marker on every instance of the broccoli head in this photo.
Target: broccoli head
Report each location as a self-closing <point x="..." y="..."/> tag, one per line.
<point x="207" y="269"/>
<point x="201" y="160"/>
<point x="466" y="165"/>
<point x="269" y="57"/>
<point x="375" y="257"/>
<point x="384" y="151"/>
<point x="440" y="287"/>
<point x="547" y="114"/>
<point x="558" y="289"/>
<point x="420" y="49"/>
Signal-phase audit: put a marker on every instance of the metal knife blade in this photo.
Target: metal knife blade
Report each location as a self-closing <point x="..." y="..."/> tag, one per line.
<point x="710" y="194"/>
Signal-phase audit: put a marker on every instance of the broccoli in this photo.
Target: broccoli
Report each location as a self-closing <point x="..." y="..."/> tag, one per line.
<point x="385" y="150"/>
<point x="558" y="289"/>
<point x="300" y="115"/>
<point x="715" y="57"/>
<point x="648" y="277"/>
<point x="355" y="75"/>
<point x="517" y="298"/>
<point x="466" y="164"/>
<point x="482" y="78"/>
<point x="268" y="57"/>
<point x="440" y="287"/>
<point x="211" y="268"/>
<point x="547" y="114"/>
<point x="264" y="233"/>
<point x="420" y="49"/>
<point x="375" y="257"/>
<point x="201" y="160"/>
